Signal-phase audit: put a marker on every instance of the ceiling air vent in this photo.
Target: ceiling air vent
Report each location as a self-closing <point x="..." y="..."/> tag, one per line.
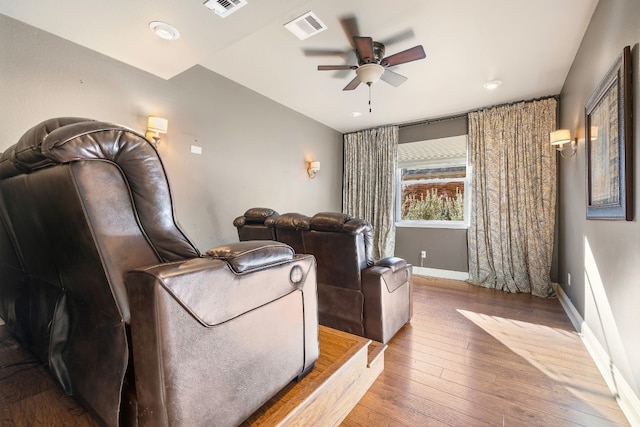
<point x="225" y="8"/>
<point x="306" y="26"/>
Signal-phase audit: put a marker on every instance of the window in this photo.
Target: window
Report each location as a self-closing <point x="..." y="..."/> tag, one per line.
<point x="432" y="178"/>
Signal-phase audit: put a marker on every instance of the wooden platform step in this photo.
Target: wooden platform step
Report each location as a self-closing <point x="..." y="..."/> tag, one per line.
<point x="348" y="365"/>
<point x="376" y="354"/>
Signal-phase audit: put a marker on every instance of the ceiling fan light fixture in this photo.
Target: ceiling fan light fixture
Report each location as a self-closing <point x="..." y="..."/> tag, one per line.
<point x="370" y="73"/>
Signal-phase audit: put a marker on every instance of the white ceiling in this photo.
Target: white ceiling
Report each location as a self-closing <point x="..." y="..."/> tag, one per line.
<point x="527" y="44"/>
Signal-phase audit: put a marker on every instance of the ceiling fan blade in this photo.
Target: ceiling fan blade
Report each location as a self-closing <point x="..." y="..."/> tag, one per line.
<point x="353" y="84"/>
<point x="364" y="48"/>
<point x="336" y="67"/>
<point x="413" y="54"/>
<point x="399" y="37"/>
<point x="342" y="74"/>
<point x="350" y="27"/>
<point x="393" y="78"/>
<point x="325" y="52"/>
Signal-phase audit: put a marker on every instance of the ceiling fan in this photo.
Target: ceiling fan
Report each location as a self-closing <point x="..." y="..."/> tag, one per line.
<point x="373" y="65"/>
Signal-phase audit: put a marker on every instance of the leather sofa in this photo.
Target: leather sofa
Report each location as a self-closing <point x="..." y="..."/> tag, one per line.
<point x="100" y="283"/>
<point x="356" y="293"/>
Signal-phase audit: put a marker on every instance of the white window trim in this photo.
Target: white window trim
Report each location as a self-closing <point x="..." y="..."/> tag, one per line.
<point x="414" y="223"/>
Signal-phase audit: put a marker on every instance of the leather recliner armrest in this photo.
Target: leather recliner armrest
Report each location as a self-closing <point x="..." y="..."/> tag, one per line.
<point x="252" y="255"/>
<point x="386" y="276"/>
<point x="212" y="292"/>
<point x="387" y="298"/>
<point x="394" y="263"/>
<point x="250" y="329"/>
<point x="239" y="221"/>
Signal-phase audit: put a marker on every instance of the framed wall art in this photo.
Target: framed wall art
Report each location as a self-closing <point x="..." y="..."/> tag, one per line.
<point x="608" y="144"/>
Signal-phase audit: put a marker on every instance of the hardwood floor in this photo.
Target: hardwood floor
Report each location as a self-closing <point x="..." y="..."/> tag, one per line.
<point x="28" y="394"/>
<point x="479" y="357"/>
<point x="469" y="357"/>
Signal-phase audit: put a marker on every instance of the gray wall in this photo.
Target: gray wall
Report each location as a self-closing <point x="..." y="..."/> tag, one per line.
<point x="446" y="248"/>
<point x="603" y="257"/>
<point x="254" y="150"/>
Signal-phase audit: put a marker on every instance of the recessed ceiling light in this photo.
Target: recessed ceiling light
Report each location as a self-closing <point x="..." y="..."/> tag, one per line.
<point x="492" y="84"/>
<point x="164" y="30"/>
<point x="355" y="114"/>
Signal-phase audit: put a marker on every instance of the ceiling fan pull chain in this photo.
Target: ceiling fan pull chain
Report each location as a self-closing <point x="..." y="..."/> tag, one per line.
<point x="369" y="84"/>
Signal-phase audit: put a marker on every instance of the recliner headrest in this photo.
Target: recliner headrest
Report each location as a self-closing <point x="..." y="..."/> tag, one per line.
<point x="69" y="139"/>
<point x="26" y="155"/>
<point x="335" y="221"/>
<point x="343" y="223"/>
<point x="292" y="221"/>
<point x="259" y="215"/>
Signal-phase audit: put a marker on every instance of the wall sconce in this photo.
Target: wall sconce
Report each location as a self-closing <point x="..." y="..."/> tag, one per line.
<point x="560" y="138"/>
<point x="313" y="168"/>
<point x="156" y="126"/>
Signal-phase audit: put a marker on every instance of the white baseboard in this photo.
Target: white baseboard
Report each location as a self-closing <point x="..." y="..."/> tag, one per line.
<point x="445" y="274"/>
<point x="624" y="394"/>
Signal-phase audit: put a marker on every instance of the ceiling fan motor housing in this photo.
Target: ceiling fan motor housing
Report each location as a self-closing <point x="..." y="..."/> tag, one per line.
<point x="378" y="55"/>
<point x="372" y="64"/>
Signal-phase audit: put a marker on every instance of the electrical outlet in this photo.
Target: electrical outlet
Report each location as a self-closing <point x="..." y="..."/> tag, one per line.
<point x="423" y="254"/>
<point x="569" y="279"/>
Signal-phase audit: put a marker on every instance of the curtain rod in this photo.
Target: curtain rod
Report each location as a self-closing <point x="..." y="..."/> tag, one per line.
<point x="464" y="115"/>
<point x="433" y="120"/>
<point x="506" y="104"/>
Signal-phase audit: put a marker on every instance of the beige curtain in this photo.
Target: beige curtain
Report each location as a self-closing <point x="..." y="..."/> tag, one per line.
<point x="368" y="190"/>
<point x="513" y="169"/>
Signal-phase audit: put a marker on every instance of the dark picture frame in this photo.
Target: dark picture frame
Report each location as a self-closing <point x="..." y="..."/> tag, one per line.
<point x="608" y="144"/>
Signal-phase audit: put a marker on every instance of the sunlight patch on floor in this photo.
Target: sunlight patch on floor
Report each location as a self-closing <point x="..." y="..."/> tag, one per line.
<point x="540" y="346"/>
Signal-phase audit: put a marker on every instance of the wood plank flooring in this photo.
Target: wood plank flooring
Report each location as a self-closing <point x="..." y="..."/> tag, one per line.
<point x="480" y="357"/>
<point x="469" y="357"/>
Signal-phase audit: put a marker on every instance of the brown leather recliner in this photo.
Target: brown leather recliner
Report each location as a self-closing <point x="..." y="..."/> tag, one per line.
<point x="100" y="283"/>
<point x="356" y="294"/>
<point x="256" y="224"/>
